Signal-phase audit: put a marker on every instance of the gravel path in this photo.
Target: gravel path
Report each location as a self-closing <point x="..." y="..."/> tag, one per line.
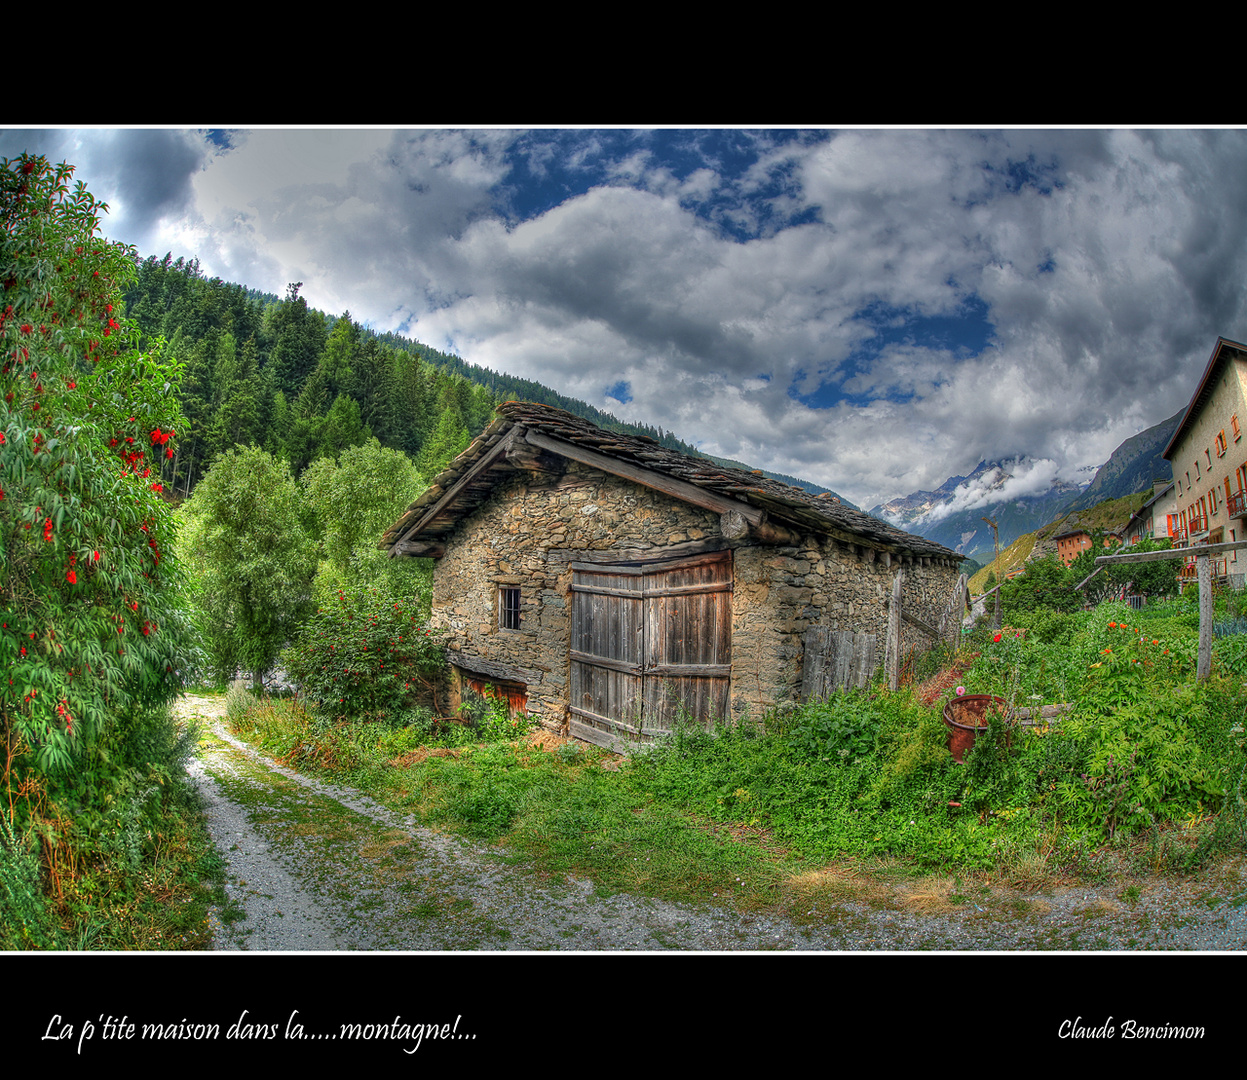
<point x="320" y="867"/>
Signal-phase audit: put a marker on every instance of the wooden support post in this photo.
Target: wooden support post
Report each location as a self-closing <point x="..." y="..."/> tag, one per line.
<point x="894" y="633"/>
<point x="1203" y="569"/>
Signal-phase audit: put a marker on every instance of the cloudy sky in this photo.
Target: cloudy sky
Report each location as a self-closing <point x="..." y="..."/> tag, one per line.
<point x="873" y="310"/>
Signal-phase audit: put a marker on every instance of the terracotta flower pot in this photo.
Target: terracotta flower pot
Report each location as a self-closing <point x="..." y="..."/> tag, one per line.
<point x="965" y="717"/>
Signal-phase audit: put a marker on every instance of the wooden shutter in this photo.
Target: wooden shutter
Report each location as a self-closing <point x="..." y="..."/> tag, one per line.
<point x="650" y="643"/>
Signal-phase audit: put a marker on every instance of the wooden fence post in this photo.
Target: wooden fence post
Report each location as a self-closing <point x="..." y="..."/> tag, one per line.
<point x="1203" y="568"/>
<point x="894" y="633"/>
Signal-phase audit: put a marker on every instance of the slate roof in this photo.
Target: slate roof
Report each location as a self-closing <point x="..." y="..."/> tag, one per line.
<point x="476" y="473"/>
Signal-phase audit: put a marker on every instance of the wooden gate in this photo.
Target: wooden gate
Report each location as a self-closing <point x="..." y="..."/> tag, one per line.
<point x="649" y="643"/>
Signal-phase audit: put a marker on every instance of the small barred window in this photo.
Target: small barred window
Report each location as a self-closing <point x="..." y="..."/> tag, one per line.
<point x="509" y="609"/>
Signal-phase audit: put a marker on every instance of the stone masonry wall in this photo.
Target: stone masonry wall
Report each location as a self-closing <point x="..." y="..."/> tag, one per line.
<point x="535" y="524"/>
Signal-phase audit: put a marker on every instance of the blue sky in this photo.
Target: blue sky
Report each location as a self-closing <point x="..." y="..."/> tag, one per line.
<point x="872" y="309"/>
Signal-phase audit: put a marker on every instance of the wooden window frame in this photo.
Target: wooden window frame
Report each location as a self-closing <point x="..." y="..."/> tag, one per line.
<point x="1221" y="444"/>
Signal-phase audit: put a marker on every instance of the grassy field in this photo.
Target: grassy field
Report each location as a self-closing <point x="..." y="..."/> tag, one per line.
<point x="1143" y="774"/>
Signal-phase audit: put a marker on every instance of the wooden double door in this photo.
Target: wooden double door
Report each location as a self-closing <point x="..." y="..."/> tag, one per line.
<point x="651" y="644"/>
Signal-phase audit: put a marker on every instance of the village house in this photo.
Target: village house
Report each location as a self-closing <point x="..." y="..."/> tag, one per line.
<point x="1071" y="543"/>
<point x="609" y="585"/>
<point x="1209" y="459"/>
<point x="1074" y="541"/>
<point x="1156" y="519"/>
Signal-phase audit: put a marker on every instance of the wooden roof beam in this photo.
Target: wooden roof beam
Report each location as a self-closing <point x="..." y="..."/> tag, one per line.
<point x="486" y="460"/>
<point x="668" y="485"/>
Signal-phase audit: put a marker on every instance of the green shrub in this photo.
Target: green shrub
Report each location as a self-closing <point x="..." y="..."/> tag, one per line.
<point x="363" y="656"/>
<point x="92" y="616"/>
<point x="26" y="920"/>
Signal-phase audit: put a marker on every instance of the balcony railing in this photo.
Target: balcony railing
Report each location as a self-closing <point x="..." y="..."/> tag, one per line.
<point x="1196" y="527"/>
<point x="1236" y="504"/>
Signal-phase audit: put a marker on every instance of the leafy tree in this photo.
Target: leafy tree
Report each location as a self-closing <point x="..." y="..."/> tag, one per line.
<point x="1046" y="584"/>
<point x="1102" y="582"/>
<point x="354" y="500"/>
<point x="252" y="558"/>
<point x="92" y="629"/>
<point x="1154" y="579"/>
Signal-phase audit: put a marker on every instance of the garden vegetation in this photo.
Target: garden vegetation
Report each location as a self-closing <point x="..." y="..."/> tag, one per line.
<point x="1144" y="770"/>
<point x="98" y="838"/>
<point x="112" y="602"/>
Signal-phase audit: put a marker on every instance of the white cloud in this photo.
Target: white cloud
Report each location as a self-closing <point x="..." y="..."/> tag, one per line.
<point x="1107" y="262"/>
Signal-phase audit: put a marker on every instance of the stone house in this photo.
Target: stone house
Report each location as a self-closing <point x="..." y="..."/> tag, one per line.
<point x="608" y="585"/>
<point x="1209" y="458"/>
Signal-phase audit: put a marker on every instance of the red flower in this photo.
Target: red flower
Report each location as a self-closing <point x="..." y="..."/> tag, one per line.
<point x="95" y="556"/>
<point x="27" y="328"/>
<point x="996" y="638"/>
<point x="72" y="578"/>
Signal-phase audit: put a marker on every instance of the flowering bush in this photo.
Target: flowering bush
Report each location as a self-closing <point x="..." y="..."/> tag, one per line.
<point x="91" y="617"/>
<point x="364" y="655"/>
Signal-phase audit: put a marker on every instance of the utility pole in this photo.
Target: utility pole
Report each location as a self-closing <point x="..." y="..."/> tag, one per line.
<point x="999" y="583"/>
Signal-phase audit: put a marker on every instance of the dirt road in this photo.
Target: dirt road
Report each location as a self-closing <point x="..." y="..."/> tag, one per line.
<point x="318" y="867"/>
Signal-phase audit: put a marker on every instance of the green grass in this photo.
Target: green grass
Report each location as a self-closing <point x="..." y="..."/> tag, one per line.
<point x="848" y="797"/>
<point x="88" y="897"/>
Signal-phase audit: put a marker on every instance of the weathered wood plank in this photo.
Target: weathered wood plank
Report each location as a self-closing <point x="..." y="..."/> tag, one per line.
<point x="836" y="660"/>
<point x="893" y="653"/>
<point x="813" y="663"/>
<point x="863" y="661"/>
<point x="598" y="660"/>
<point x="691" y="671"/>
<point x="420" y="549"/>
<point x="925" y="627"/>
<point x="645" y="593"/>
<point x="475" y="664"/>
<point x="1173" y="553"/>
<point x="1203" y="569"/>
<point x="483" y="463"/>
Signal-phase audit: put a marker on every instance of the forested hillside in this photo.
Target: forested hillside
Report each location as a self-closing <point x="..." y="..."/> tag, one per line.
<point x="303" y="385"/>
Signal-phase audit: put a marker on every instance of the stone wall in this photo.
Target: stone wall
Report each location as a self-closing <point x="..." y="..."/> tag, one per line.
<point x="527" y="534"/>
